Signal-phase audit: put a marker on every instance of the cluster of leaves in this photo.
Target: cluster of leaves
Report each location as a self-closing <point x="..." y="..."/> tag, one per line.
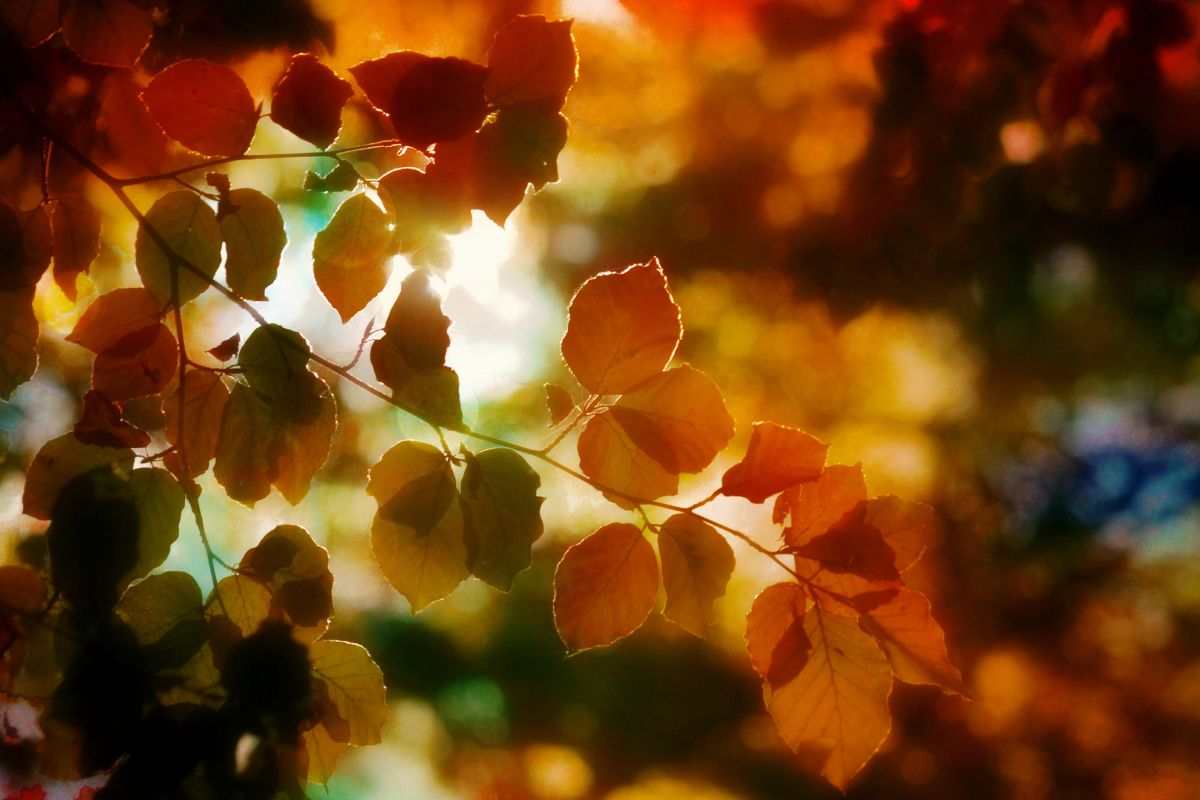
<point x="131" y="666"/>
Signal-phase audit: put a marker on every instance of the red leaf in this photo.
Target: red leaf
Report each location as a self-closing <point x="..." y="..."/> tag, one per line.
<point x="109" y="32"/>
<point x="76" y="225"/>
<point x="204" y="106"/>
<point x="141" y="363"/>
<point x="308" y="100"/>
<point x="532" y="62"/>
<point x="776" y="458"/>
<point x="103" y="424"/>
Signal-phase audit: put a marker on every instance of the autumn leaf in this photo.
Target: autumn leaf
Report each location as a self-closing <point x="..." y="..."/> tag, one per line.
<point x="58" y="462"/>
<point x="159" y="501"/>
<point x="204" y="106"/>
<point x="902" y="622"/>
<point x="227" y="348"/>
<point x="812" y="508"/>
<point x="417" y="534"/>
<point x="132" y="139"/>
<point x="76" y="227"/>
<point x="189" y="228"/>
<point x="155" y="607"/>
<point x="351" y="255"/>
<point x="675" y="422"/>
<point x="140" y="363"/>
<point x="355" y="685"/>
<point x="827" y="682"/>
<point x="296" y="570"/>
<point x="323" y="752"/>
<point x="502" y="513"/>
<point x="532" y="62"/>
<point x="254" y="241"/>
<point x="777" y="458"/>
<point x="113" y="316"/>
<point x="308" y="100"/>
<point x="558" y="402"/>
<point x="26" y="245"/>
<point x="34" y="21"/>
<point x="109" y="32"/>
<point x="242" y="602"/>
<point x="428" y="99"/>
<point x="622" y="329"/>
<point x="605" y="587"/>
<point x="18" y="339"/>
<point x="102" y="423"/>
<point x="203" y="408"/>
<point x="696" y="565"/>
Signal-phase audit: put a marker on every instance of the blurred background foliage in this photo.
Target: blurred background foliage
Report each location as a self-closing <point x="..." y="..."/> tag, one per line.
<point x="958" y="240"/>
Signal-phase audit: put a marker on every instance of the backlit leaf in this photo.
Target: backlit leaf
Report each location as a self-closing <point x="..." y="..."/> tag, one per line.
<point x="605" y="587"/>
<point x="242" y="601"/>
<point x="204" y="106"/>
<point x="622" y="329"/>
<point x="34" y="21"/>
<point x="355" y="684"/>
<point x="308" y="100"/>
<point x="502" y="511"/>
<point x="812" y="508"/>
<point x="190" y="230"/>
<point x="254" y="241"/>
<point x="558" y="402"/>
<point x="109" y="32"/>
<point x="351" y="255"/>
<point x="696" y="565"/>
<point x="775" y="638"/>
<point x="323" y="753"/>
<point x="159" y="500"/>
<point x="58" y="462"/>
<point x="777" y="458"/>
<point x="531" y="62"/>
<point x="155" y="606"/>
<point x="18" y="339"/>
<point x="909" y="528"/>
<point x="274" y="360"/>
<point x="140" y="363"/>
<point x="296" y="569"/>
<point x="428" y="99"/>
<point x="837" y="701"/>
<point x="903" y="624"/>
<point x="204" y="405"/>
<point x="227" y="349"/>
<point x="76" y="227"/>
<point x="26" y="245"/>
<point x="113" y="316"/>
<point x="102" y="423"/>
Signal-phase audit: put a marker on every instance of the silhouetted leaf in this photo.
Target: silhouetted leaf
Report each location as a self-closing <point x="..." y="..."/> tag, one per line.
<point x="417" y="534"/>
<point x="254" y="241"/>
<point x="274" y="361"/>
<point x="605" y="587"/>
<point x="531" y="62"/>
<point x="227" y="349"/>
<point x="559" y="402"/>
<point x="775" y="638"/>
<point x="18" y="339"/>
<point x="76" y="226"/>
<point x="342" y="178"/>
<point x="109" y="32"/>
<point x="351" y="255"/>
<point x="102" y="423"/>
<point x="204" y="106"/>
<point x="502" y="511"/>
<point x="26" y="245"/>
<point x="696" y="565"/>
<point x="190" y="230"/>
<point x="308" y="100"/>
<point x="777" y="458"/>
<point x="34" y="21"/>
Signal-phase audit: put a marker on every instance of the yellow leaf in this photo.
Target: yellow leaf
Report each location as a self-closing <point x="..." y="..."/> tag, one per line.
<point x="355" y="685"/>
<point x="323" y="753"/>
<point x="58" y="462"/>
<point x="350" y="256"/>
<point x="189" y="227"/>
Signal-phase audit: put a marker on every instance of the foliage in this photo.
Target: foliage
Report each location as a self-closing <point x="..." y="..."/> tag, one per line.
<point x="244" y="675"/>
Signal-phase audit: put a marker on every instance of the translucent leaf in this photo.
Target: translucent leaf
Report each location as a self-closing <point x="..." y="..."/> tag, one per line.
<point x="296" y="570"/>
<point x="351" y="255"/>
<point x="502" y="510"/>
<point x="428" y="99"/>
<point x="137" y="144"/>
<point x="355" y="684"/>
<point x="323" y="753"/>
<point x="274" y="361"/>
<point x="204" y="406"/>
<point x="836" y="702"/>
<point x="159" y="500"/>
<point x="531" y="62"/>
<point x="113" y="316"/>
<point x="775" y="638"/>
<point x="676" y="422"/>
<point x="902" y="622"/>
<point x="153" y="607"/>
<point x="76" y="226"/>
<point x="605" y="587"/>
<point x="558" y="402"/>
<point x="254" y="241"/>
<point x="811" y="509"/>
<point x="622" y="329"/>
<point x="777" y="458"/>
<point x="696" y="565"/>
<point x="204" y="106"/>
<point x="141" y="363"/>
<point x="109" y="32"/>
<point x="190" y="230"/>
<point x="102" y="423"/>
<point x="417" y="533"/>
<point x="34" y="21"/>
<point x="308" y="100"/>
<point x="18" y="339"/>
<point x="242" y="602"/>
<point x="58" y="462"/>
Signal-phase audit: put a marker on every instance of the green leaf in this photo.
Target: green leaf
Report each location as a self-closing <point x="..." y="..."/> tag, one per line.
<point x="254" y="241"/>
<point x="351" y="256"/>
<point x="502" y="511"/>
<point x="156" y="605"/>
<point x="160" y="500"/>
<point x="274" y="360"/>
<point x="190" y="230"/>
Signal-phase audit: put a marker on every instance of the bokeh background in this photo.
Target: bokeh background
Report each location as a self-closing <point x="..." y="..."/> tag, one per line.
<point x="957" y="239"/>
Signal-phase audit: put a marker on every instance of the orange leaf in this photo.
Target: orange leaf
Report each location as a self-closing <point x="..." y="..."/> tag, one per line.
<point x="854" y="547"/>
<point x="140" y="363"/>
<point x="775" y="638"/>
<point x="903" y="624"/>
<point x="102" y="423"/>
<point x="532" y="61"/>
<point x="837" y="701"/>
<point x="612" y="459"/>
<point x="428" y="99"/>
<point x="909" y="528"/>
<point x="76" y="225"/>
<point x="308" y="100"/>
<point x="204" y="106"/>
<point x="605" y="587"/>
<point x="696" y="565"/>
<point x="109" y="32"/>
<point x="777" y="457"/>
<point x="113" y="316"/>
<point x="815" y="507"/>
<point x="622" y="329"/>
<point x="204" y="405"/>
